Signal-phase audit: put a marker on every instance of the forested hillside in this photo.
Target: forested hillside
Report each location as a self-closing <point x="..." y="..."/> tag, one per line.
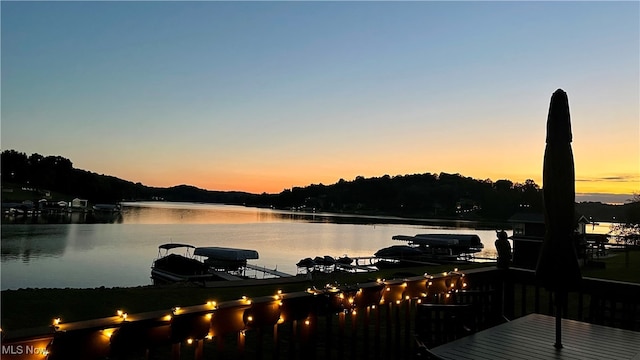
<point x="419" y="195"/>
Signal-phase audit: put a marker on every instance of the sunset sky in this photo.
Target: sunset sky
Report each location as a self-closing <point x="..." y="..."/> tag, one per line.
<point x="263" y="96"/>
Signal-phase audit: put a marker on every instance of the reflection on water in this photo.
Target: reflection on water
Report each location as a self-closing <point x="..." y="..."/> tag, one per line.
<point x="64" y="217"/>
<point x="24" y="242"/>
<point x="66" y="253"/>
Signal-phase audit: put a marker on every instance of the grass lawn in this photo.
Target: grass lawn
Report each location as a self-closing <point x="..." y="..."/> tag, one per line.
<point x="619" y="265"/>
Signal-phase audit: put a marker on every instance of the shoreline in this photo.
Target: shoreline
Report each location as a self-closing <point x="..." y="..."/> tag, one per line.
<point x="34" y="307"/>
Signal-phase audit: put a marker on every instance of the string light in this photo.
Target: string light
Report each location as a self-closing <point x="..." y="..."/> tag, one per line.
<point x="454" y="284"/>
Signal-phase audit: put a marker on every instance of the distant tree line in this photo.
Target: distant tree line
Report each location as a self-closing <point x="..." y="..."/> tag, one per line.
<point x="419" y="195"/>
<point x="56" y="173"/>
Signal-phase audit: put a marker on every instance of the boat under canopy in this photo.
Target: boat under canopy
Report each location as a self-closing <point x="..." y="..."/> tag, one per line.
<point x="398" y="251"/>
<point x="222" y="253"/>
<point x="466" y="241"/>
<point x="174" y="246"/>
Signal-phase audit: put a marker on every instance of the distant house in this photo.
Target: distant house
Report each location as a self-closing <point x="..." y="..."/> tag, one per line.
<point x="528" y="234"/>
<point x="79" y="204"/>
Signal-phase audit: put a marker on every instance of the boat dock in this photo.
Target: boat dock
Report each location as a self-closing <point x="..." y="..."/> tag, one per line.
<point x="374" y="259"/>
<point x="226" y="276"/>
<point x="268" y="271"/>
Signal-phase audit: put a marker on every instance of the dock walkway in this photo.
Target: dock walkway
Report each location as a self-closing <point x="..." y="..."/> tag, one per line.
<point x="268" y="271"/>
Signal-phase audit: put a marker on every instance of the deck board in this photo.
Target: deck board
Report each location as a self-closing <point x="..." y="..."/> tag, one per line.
<point x="533" y="336"/>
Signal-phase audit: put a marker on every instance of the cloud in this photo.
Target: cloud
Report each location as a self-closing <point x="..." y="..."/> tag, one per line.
<point x="613" y="178"/>
<point x="606" y="198"/>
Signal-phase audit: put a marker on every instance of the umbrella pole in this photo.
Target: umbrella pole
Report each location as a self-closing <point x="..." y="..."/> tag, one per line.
<point x="559" y="302"/>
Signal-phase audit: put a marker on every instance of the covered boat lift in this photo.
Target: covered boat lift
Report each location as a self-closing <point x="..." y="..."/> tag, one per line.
<point x="225" y="259"/>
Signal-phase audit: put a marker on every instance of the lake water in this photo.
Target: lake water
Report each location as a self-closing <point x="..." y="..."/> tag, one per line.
<point x="73" y="253"/>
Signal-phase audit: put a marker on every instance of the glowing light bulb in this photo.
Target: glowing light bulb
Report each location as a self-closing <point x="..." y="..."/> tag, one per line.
<point x="56" y="321"/>
<point x="189" y="341"/>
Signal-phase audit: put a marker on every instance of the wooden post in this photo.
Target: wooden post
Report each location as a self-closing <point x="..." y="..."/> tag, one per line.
<point x="276" y="343"/>
<point x="175" y="351"/>
<point x="220" y="346"/>
<point x="377" y="333"/>
<point x="199" y="349"/>
<point x="388" y="332"/>
<point x="241" y="341"/>
<point x="329" y="335"/>
<point x="407" y="327"/>
<point x="354" y="337"/>
<point x="367" y="314"/>
<point x="294" y="339"/>
<point x="259" y="343"/>
<point x="341" y="320"/>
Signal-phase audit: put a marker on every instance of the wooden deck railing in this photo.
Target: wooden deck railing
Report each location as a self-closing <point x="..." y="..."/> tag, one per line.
<point x="371" y="321"/>
<point x="597" y="301"/>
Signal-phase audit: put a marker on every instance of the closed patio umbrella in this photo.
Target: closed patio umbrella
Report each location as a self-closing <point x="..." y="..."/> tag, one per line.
<point x="558" y="269"/>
